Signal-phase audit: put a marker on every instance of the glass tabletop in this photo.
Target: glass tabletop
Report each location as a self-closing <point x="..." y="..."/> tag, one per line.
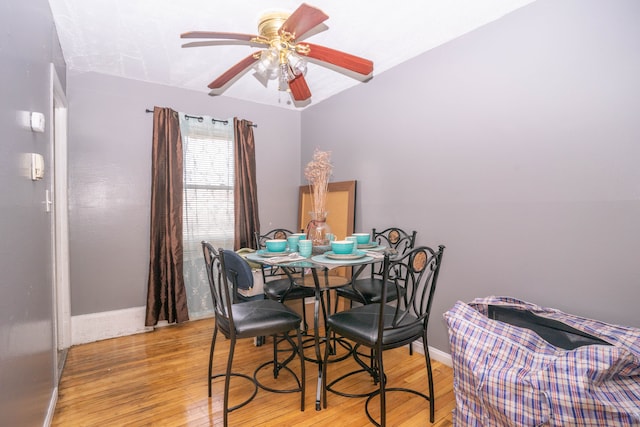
<point x="316" y="261"/>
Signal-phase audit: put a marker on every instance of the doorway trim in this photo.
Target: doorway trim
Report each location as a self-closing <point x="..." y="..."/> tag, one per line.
<point x="61" y="283"/>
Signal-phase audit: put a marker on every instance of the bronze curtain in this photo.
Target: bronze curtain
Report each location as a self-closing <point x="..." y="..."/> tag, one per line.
<point x="166" y="296"/>
<point x="246" y="189"/>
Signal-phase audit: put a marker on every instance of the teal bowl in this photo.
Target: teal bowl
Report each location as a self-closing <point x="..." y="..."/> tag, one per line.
<point x="342" y="247"/>
<point x="363" y="238"/>
<point x="276" y="245"/>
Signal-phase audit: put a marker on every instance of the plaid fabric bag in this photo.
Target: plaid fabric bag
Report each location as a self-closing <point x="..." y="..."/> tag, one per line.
<point x="507" y="375"/>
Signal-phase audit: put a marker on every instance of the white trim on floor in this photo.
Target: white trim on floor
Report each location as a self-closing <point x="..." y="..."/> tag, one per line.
<point x="110" y="324"/>
<point x="438" y="355"/>
<point x="107" y="324"/>
<point x="52" y="407"/>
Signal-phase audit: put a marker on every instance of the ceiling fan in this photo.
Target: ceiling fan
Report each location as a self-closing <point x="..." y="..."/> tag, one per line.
<point x="283" y="56"/>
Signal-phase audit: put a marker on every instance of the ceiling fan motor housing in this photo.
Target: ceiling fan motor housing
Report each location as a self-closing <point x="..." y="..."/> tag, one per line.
<point x="270" y="23"/>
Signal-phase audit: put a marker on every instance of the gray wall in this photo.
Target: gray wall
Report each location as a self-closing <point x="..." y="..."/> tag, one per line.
<point x="27" y="373"/>
<point x="110" y="170"/>
<point x="517" y="147"/>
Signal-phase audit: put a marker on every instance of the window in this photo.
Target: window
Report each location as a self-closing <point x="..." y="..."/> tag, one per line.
<point x="208" y="199"/>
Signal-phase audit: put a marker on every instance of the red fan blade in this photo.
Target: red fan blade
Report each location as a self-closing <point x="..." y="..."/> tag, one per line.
<point x="233" y="72"/>
<point x="299" y="88"/>
<point x="202" y="43"/>
<point x="303" y="19"/>
<point x="216" y="35"/>
<point x="341" y="59"/>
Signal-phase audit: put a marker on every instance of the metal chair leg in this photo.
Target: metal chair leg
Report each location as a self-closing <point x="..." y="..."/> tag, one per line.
<point x="430" y="375"/>
<point x="305" y="326"/>
<point x="227" y="381"/>
<point x="302" y="371"/>
<point x="383" y="381"/>
<point x="213" y="346"/>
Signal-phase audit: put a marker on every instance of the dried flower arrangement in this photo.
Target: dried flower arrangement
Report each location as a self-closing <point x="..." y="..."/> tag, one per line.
<point x="318" y="171"/>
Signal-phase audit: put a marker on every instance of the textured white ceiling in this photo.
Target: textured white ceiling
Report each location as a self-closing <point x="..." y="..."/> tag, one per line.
<point x="140" y="39"/>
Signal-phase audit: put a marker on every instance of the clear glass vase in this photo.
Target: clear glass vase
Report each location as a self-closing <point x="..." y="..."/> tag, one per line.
<point x="318" y="230"/>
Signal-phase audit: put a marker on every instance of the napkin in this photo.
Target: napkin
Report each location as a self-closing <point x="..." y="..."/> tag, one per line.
<point x="287" y="258"/>
<point x="375" y="255"/>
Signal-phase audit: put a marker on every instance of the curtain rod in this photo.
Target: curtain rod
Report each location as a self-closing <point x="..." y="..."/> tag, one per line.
<point x="200" y="118"/>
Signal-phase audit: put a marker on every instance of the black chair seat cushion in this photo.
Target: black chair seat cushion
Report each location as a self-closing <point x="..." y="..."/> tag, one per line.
<point x="370" y="288"/>
<point x="275" y="289"/>
<point x="360" y="324"/>
<point x="261" y="318"/>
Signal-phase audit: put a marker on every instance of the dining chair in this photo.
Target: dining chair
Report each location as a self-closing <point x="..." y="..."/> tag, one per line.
<point x="383" y="326"/>
<point x="367" y="290"/>
<point x="249" y="319"/>
<point x="281" y="285"/>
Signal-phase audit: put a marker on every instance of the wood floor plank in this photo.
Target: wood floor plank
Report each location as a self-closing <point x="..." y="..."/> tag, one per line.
<point x="159" y="379"/>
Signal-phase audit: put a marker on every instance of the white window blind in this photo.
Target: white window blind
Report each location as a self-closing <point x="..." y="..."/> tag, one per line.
<point x="208" y="182"/>
<point x="208" y="201"/>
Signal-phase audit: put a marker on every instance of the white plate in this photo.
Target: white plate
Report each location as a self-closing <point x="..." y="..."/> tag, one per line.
<point x="323" y="259"/>
<point x="371" y="247"/>
<point x="357" y="255"/>
<point x="367" y="245"/>
<point x="267" y="254"/>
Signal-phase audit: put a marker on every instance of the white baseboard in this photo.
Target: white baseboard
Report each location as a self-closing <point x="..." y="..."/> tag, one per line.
<point x="439" y="355"/>
<point x="107" y="324"/>
<point x="110" y="324"/>
<point x="52" y="408"/>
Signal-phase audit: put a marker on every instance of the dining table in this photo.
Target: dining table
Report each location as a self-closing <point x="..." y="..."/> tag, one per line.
<point x="319" y="265"/>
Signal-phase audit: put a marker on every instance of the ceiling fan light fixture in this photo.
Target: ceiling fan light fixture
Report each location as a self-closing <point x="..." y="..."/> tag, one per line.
<point x="297" y="64"/>
<point x="267" y="66"/>
<point x="284" y="77"/>
<point x="284" y="65"/>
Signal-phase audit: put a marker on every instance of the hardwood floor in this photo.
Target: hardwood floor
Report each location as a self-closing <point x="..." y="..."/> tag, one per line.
<point x="159" y="379"/>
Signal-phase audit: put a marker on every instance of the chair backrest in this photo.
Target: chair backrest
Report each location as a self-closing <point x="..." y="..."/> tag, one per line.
<point x="219" y="288"/>
<point x="417" y="271"/>
<point x="394" y="238"/>
<point x="236" y="270"/>
<point x="271" y="271"/>
<point x="276" y="233"/>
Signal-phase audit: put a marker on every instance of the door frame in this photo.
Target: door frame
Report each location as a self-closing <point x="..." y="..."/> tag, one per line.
<point x="60" y="230"/>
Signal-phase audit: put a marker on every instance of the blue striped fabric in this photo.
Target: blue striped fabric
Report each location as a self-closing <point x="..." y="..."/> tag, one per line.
<point x="509" y="376"/>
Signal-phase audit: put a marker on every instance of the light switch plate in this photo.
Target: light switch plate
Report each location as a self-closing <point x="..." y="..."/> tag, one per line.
<point x="37" y="122"/>
<point x="37" y="166"/>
